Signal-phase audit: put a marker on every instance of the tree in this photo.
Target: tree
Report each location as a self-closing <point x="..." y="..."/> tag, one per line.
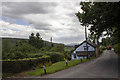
<point x="32" y="34"/>
<point x="37" y="35"/>
<point x="32" y="39"/>
<point x="106" y="41"/>
<point x="36" y="41"/>
<point x="103" y="16"/>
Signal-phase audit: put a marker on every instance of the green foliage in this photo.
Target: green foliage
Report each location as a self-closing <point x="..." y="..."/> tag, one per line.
<point x="101" y="49"/>
<point x="13" y="48"/>
<point x="24" y="48"/>
<point x="35" y="55"/>
<point x="59" y="48"/>
<point x="36" y="41"/>
<point x="37" y="35"/>
<point x="55" y="56"/>
<point x="6" y="45"/>
<point x="19" y="65"/>
<point x="16" y="55"/>
<point x="106" y="41"/>
<point x="116" y="36"/>
<point x="68" y="51"/>
<point x="45" y="49"/>
<point x="20" y="51"/>
<point x="101" y="17"/>
<point x="117" y="48"/>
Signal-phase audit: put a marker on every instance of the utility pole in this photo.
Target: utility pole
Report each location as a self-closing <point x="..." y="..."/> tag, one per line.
<point x="86" y="41"/>
<point x="51" y="42"/>
<point x="85" y="33"/>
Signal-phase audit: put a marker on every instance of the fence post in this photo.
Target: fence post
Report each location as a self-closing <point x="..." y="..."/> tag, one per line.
<point x="44" y="68"/>
<point x="89" y="57"/>
<point x="81" y="60"/>
<point x="66" y="62"/>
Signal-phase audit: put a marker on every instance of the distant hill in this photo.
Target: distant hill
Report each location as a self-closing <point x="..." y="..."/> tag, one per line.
<point x="72" y="44"/>
<point x="14" y="40"/>
<point x="8" y="43"/>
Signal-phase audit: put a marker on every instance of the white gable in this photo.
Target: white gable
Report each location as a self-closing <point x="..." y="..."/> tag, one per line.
<point x="81" y="47"/>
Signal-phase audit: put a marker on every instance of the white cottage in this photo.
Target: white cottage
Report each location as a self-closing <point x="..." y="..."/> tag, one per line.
<point x="82" y="52"/>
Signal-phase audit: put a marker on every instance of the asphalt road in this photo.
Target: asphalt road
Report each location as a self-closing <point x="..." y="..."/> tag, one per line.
<point x="105" y="66"/>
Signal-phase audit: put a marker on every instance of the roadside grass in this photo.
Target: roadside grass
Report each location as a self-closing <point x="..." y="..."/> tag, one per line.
<point x="56" y="67"/>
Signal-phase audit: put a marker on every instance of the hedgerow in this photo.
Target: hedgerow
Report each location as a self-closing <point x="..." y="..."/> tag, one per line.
<point x="55" y="56"/>
<point x="19" y="65"/>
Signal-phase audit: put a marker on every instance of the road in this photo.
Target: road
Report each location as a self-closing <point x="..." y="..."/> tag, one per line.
<point x="105" y="66"/>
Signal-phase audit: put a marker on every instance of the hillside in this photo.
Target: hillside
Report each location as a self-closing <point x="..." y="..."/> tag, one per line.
<point x="8" y="43"/>
<point x="14" y="40"/>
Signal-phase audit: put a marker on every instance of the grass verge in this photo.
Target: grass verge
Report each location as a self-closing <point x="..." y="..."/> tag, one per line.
<point x="56" y="67"/>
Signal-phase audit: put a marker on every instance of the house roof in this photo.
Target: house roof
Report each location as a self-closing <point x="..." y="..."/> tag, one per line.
<point x="88" y="42"/>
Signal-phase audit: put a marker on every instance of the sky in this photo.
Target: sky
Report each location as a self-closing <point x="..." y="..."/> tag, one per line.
<point x="50" y="19"/>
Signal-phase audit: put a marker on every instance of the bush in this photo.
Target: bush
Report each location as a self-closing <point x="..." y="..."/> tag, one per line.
<point x="19" y="65"/>
<point x="24" y="48"/>
<point x="19" y="52"/>
<point x="35" y="55"/>
<point x="117" y="48"/>
<point x="101" y="49"/>
<point x="44" y="49"/>
<point x="56" y="56"/>
<point x="59" y="48"/>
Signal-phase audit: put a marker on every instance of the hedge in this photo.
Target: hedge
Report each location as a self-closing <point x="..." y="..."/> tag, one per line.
<point x="19" y="65"/>
<point x="56" y="56"/>
<point x="117" y="48"/>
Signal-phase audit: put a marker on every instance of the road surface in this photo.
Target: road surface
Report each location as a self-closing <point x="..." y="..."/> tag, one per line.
<point x="105" y="66"/>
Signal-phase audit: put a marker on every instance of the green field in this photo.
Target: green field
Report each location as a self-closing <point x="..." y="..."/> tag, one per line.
<point x="56" y="67"/>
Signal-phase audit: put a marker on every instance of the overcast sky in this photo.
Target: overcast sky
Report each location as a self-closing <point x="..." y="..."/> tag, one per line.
<point x="50" y="19"/>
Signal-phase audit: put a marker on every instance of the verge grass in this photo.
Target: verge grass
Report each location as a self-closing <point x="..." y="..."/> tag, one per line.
<point x="56" y="67"/>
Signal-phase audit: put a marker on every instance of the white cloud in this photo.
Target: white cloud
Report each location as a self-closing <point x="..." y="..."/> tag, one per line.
<point x="50" y="19"/>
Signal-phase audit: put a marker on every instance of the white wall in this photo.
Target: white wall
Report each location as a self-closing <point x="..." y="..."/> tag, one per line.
<point x="81" y="57"/>
<point x="72" y="56"/>
<point x="81" y="48"/>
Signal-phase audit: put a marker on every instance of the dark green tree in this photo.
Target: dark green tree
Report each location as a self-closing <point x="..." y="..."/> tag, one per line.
<point x="36" y="41"/>
<point x="37" y="35"/>
<point x="102" y="16"/>
<point x="32" y="39"/>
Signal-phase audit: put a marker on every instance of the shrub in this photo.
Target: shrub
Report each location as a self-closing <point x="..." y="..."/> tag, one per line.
<point x="19" y="65"/>
<point x="44" y="49"/>
<point x="117" y="48"/>
<point x="101" y="49"/>
<point x="59" y="48"/>
<point x="24" y="48"/>
<point x="56" y="56"/>
<point x="19" y="52"/>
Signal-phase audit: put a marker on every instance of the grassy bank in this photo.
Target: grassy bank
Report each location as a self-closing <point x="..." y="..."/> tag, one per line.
<point x="56" y="67"/>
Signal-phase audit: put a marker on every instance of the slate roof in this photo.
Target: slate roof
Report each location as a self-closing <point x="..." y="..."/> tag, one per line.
<point x="88" y="42"/>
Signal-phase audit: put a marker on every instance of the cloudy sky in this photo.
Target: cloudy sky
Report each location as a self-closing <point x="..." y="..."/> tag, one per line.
<point x="50" y="19"/>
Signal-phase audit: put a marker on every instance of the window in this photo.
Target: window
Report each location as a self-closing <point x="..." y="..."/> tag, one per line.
<point x="86" y="48"/>
<point x="74" y="55"/>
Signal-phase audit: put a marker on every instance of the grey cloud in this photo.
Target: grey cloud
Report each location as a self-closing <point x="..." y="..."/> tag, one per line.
<point x="41" y="26"/>
<point x="70" y="39"/>
<point x="16" y="9"/>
